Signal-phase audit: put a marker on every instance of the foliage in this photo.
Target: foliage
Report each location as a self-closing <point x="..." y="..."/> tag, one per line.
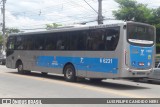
<point x="1" y="39"/>
<point x="12" y="30"/>
<point x="157" y="48"/>
<point x="52" y="26"/>
<point x="8" y="31"/>
<point x="156" y="22"/>
<point x="131" y="10"/>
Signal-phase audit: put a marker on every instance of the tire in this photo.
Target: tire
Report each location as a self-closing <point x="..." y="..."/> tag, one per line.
<point x="44" y="73"/>
<point x="96" y="79"/>
<point x="27" y="72"/>
<point x="69" y="73"/>
<point x="1" y="63"/>
<point x="20" y="68"/>
<point x="150" y="81"/>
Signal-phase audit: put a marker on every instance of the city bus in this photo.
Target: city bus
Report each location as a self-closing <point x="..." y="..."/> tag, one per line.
<point x="108" y="51"/>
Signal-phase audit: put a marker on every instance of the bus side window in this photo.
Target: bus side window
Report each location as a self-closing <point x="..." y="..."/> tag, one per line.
<point x="60" y="45"/>
<point x="96" y="40"/>
<point x="39" y="43"/>
<point x="112" y="37"/>
<point x="28" y="43"/>
<point x="19" y="43"/>
<point x="50" y="42"/>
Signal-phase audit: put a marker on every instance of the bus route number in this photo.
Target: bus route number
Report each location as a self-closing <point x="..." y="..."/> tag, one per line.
<point x="106" y="60"/>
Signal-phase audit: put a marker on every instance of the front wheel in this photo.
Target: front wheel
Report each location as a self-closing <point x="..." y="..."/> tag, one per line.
<point x="69" y="73"/>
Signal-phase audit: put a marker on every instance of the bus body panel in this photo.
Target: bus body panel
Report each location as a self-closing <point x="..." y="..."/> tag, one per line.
<point x="89" y="64"/>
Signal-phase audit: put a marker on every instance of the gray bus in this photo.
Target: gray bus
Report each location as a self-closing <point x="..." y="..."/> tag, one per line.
<point x="120" y="50"/>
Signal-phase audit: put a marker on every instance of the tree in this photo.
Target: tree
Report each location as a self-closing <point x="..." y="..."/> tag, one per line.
<point x="52" y="26"/>
<point x="12" y="30"/>
<point x="131" y="10"/>
<point x="8" y="31"/>
<point x="156" y="22"/>
<point x="1" y="40"/>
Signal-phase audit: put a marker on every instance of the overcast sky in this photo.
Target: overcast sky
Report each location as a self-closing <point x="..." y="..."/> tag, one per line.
<point x="26" y="14"/>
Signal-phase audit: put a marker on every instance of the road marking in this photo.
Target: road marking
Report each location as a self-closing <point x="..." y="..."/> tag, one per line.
<point x="80" y="85"/>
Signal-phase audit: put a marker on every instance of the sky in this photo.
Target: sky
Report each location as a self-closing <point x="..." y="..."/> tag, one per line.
<point x="34" y="14"/>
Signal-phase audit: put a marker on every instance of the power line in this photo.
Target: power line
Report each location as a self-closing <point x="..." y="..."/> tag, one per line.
<point x="90" y="6"/>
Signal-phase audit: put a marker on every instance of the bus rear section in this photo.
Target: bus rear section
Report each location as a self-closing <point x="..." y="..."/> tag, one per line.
<point x="140" y="50"/>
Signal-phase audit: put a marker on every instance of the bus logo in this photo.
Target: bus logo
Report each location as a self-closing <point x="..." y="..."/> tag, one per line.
<point x="142" y="52"/>
<point x="82" y="60"/>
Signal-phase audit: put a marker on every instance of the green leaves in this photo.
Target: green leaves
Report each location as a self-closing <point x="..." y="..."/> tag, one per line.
<point x="1" y="39"/>
<point x="12" y="30"/>
<point x="130" y="9"/>
<point x="52" y="26"/>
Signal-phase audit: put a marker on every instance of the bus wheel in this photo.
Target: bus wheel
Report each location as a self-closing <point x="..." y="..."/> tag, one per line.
<point x="44" y="73"/>
<point x="95" y="79"/>
<point x="20" y="68"/>
<point x="69" y="73"/>
<point x="27" y="71"/>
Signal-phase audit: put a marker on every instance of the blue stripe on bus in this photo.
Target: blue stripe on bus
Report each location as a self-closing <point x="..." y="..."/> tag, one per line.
<point x="107" y="65"/>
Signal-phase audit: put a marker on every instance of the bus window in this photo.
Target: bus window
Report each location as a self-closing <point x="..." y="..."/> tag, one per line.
<point x="10" y="45"/>
<point x="19" y="43"/>
<point x="96" y="40"/>
<point x="28" y="43"/>
<point x="50" y="43"/>
<point x="81" y="40"/>
<point x="112" y="37"/>
<point x="78" y="40"/>
<point x="39" y="43"/>
<point x="140" y="35"/>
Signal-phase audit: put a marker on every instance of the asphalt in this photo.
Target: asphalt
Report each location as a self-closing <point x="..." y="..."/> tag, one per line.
<point x="35" y="85"/>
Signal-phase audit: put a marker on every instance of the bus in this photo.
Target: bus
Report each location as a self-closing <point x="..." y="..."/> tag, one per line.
<point x="108" y="51"/>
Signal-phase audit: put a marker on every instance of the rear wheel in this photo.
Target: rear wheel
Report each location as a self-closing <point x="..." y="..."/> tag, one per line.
<point x="27" y="72"/>
<point x="69" y="73"/>
<point x="20" y="68"/>
<point x="44" y="73"/>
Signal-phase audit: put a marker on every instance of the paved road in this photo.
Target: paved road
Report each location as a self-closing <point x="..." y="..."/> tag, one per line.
<point x="34" y="85"/>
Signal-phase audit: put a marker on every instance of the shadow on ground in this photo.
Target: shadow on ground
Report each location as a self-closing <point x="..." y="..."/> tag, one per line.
<point x="103" y="84"/>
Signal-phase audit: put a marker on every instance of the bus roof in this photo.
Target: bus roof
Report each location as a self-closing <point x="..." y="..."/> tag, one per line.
<point x="77" y="27"/>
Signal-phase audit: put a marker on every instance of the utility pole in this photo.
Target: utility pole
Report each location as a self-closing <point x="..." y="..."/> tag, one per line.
<point x="100" y="17"/>
<point x="3" y="26"/>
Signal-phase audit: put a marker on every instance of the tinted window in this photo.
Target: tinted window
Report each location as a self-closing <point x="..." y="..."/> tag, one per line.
<point x="103" y="39"/>
<point x="140" y="34"/>
<point x="60" y="41"/>
<point x="39" y="42"/>
<point x="50" y="42"/>
<point x="11" y="43"/>
<point x="19" y="43"/>
<point x="78" y="40"/>
<point x="28" y="43"/>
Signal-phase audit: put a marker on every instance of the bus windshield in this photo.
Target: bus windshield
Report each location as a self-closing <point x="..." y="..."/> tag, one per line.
<point x="138" y="34"/>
